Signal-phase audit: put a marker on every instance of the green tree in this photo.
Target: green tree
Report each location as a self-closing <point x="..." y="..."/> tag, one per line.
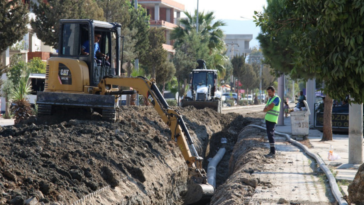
<point x="156" y="54"/>
<point x="267" y="78"/>
<point x="248" y="78"/>
<point x="194" y="47"/>
<point x="140" y="21"/>
<point x="238" y="63"/>
<point x="36" y="65"/>
<point x="17" y="68"/>
<point x="21" y="108"/>
<point x="327" y="42"/>
<point x="165" y="73"/>
<point x="13" y="22"/>
<point x="183" y="65"/>
<point x="115" y="11"/>
<point x="219" y="61"/>
<point x="3" y="69"/>
<point x="207" y="26"/>
<point x="46" y="23"/>
<point x="129" y="49"/>
<point x="209" y="34"/>
<point x="228" y="70"/>
<point x="123" y="12"/>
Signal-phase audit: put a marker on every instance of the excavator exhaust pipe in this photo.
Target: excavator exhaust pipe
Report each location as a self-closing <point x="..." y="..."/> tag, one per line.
<point x="198" y="194"/>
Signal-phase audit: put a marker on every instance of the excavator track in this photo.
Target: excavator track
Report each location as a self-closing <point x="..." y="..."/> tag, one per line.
<point x="109" y="114"/>
<point x="44" y="109"/>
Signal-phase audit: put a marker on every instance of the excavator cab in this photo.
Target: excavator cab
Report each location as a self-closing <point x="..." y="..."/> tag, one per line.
<point x="79" y="36"/>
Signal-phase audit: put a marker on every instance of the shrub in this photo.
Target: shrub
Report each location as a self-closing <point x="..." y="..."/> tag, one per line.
<point x="230" y="102"/>
<point x="172" y="102"/>
<point x="21" y="108"/>
<point x="243" y="102"/>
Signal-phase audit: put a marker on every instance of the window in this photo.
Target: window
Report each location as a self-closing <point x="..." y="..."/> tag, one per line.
<point x="70" y="39"/>
<point x="246" y="44"/>
<point x="199" y="79"/>
<point x="210" y="79"/>
<point x="37" y="84"/>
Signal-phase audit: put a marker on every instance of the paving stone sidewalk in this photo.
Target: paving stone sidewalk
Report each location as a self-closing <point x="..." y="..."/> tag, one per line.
<point x="294" y="179"/>
<point x="342" y="170"/>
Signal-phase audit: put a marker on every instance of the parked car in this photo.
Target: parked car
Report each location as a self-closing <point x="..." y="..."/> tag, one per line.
<point x="248" y="98"/>
<point x="229" y="96"/>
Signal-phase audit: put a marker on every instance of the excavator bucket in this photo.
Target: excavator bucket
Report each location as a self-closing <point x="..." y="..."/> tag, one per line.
<point x="198" y="193"/>
<point x="215" y="105"/>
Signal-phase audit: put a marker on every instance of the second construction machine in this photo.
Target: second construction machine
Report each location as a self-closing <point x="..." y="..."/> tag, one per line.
<point x="76" y="79"/>
<point x="203" y="91"/>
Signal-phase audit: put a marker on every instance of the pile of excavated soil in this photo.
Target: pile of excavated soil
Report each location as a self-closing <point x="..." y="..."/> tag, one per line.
<point x="130" y="161"/>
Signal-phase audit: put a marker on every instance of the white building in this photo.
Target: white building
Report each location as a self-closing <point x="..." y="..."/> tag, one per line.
<point x="237" y="44"/>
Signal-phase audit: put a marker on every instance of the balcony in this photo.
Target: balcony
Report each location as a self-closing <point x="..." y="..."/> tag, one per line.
<point x="168" y="48"/>
<point x="164" y="3"/>
<point x="163" y="23"/>
<point x="42" y="55"/>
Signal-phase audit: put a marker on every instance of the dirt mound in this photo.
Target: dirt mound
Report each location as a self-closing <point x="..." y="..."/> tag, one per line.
<point x="55" y="160"/>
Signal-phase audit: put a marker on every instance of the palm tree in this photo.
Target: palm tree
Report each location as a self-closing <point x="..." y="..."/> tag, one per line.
<point x="207" y="27"/>
<point x="21" y="108"/>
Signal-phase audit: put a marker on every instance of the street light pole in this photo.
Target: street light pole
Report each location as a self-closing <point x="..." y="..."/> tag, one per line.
<point x="260" y="84"/>
<point x="197" y="17"/>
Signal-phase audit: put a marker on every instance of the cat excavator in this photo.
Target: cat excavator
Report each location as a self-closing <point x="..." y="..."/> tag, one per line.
<point x="79" y="79"/>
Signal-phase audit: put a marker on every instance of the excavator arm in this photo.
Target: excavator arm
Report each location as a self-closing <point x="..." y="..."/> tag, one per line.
<point x="179" y="132"/>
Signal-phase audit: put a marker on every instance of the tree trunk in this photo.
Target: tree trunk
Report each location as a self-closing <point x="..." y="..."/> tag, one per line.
<point x="184" y="87"/>
<point x="7" y="114"/>
<point x="154" y="73"/>
<point x="327" y="129"/>
<point x="179" y="92"/>
<point x="164" y="87"/>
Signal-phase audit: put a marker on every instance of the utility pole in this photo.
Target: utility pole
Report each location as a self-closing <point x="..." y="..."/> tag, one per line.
<point x="293" y="97"/>
<point x="260" y="83"/>
<point x="281" y="95"/>
<point x="356" y="133"/>
<point x="197" y="17"/>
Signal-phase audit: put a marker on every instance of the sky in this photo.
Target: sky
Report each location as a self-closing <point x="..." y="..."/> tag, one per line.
<point x="231" y="11"/>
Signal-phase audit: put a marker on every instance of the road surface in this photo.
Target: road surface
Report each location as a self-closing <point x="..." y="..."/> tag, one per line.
<point x="244" y="109"/>
<point x="247" y="109"/>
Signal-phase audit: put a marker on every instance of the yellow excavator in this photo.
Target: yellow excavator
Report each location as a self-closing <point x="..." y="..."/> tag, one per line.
<point x="76" y="78"/>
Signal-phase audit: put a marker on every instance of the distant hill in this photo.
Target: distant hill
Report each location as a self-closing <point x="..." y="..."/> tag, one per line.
<point x="242" y="27"/>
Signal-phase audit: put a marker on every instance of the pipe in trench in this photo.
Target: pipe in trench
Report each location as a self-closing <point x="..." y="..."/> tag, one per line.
<point x="211" y="168"/>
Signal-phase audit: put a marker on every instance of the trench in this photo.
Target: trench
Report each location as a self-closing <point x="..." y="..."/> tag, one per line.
<point x="132" y="161"/>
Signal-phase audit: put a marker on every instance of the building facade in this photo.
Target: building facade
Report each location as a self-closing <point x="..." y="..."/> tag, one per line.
<point x="164" y="14"/>
<point x="237" y="44"/>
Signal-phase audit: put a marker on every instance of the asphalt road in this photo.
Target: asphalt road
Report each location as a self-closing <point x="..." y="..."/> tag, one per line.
<point x="244" y="109"/>
<point x="247" y="109"/>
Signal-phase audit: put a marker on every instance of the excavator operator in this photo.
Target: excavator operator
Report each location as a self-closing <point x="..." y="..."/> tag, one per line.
<point x="85" y="49"/>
